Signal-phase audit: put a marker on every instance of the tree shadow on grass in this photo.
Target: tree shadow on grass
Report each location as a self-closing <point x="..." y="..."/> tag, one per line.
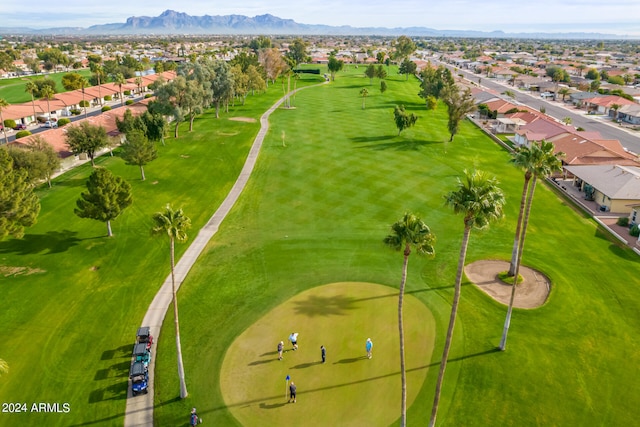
<point x="364" y="139"/>
<point x="52" y="242"/>
<point x="77" y="182"/>
<point x="624" y="253"/>
<point x="404" y="145"/>
<point x="316" y="305"/>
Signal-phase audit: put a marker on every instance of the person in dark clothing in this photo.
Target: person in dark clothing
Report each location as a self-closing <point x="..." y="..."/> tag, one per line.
<point x="292" y="392"/>
<point x="323" y="353"/>
<point x="280" y="349"/>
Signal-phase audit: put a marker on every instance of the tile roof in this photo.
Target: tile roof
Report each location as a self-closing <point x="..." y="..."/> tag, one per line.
<point x="614" y="181"/>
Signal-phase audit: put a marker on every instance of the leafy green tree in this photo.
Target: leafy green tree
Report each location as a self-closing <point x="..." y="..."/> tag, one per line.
<point x="52" y="160"/>
<point x="540" y="160"/>
<point x="434" y="81"/>
<point x="480" y="201"/>
<point x="407" y="67"/>
<point x="32" y="162"/>
<point x="408" y="233"/>
<point x="154" y="126"/>
<point x="403" y="47"/>
<point x="106" y="197"/>
<point x="73" y="81"/>
<point x="334" y="66"/>
<point x="298" y="52"/>
<point x="616" y="80"/>
<point x="221" y="83"/>
<point x="19" y="206"/>
<point x="240" y="83"/>
<point x="363" y="93"/>
<point x="370" y="72"/>
<point x="564" y="91"/>
<point x="403" y="119"/>
<point x="255" y="82"/>
<point x="380" y="57"/>
<point x="381" y="73"/>
<point x="171" y="101"/>
<point x="43" y="83"/>
<point x="175" y="224"/>
<point x="129" y="122"/>
<point x="432" y="102"/>
<point x="458" y="106"/>
<point x="383" y="86"/>
<point x="137" y="150"/>
<point x="86" y="138"/>
<point x="3" y="105"/>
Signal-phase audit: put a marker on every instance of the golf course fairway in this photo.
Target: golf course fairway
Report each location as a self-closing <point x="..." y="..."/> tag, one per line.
<point x="349" y="389"/>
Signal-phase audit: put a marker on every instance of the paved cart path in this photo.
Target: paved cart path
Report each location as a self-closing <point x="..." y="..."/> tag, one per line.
<point x="139" y="411"/>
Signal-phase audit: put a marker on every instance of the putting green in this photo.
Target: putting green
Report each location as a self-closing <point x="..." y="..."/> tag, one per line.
<point x="348" y="389"/>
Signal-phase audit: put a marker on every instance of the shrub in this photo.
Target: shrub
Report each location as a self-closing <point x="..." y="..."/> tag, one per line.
<point x="635" y="231"/>
<point x="41" y="119"/>
<point x="63" y="122"/>
<point x="84" y="103"/>
<point x="22" y="133"/>
<point x="623" y="221"/>
<point x="127" y="92"/>
<point x="147" y="95"/>
<point x="10" y="123"/>
<point x="128" y="102"/>
<point x="108" y="98"/>
<point x="75" y="111"/>
<point x="106" y="108"/>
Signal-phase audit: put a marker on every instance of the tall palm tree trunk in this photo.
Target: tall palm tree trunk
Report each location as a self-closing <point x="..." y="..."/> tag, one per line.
<point x="403" y="373"/>
<point x="183" y="384"/>
<point x="33" y="104"/>
<point x="507" y="321"/>
<point x="516" y="240"/>
<point x="452" y="321"/>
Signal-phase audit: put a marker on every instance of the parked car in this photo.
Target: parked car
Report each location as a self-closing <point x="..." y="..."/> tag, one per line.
<point x="50" y="124"/>
<point x="20" y="126"/>
<point x="139" y="378"/>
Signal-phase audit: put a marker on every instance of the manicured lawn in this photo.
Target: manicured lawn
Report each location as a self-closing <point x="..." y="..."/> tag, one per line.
<point x="73" y="298"/>
<point x="12" y="90"/>
<point x="315" y="212"/>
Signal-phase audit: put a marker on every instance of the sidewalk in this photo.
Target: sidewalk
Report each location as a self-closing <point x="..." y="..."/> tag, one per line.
<point x="139" y="410"/>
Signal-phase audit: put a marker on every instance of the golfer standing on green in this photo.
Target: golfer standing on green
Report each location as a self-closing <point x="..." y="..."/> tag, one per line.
<point x="369" y="347"/>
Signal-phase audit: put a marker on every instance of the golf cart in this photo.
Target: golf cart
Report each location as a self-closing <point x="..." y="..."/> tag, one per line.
<point x="144" y="336"/>
<point x="142" y="354"/>
<point x="139" y="378"/>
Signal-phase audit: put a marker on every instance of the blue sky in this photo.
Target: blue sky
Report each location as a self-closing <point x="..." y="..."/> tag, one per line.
<point x="620" y="17"/>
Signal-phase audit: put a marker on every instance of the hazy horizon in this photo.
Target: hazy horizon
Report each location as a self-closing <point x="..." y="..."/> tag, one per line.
<point x="619" y="17"/>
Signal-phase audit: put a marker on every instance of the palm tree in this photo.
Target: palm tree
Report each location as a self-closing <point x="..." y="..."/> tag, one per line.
<point x="615" y="108"/>
<point x="84" y="83"/>
<point x="480" y="200"/>
<point x="542" y="162"/>
<point x="47" y="93"/>
<point x="31" y="88"/>
<point x="120" y="81"/>
<point x="97" y="69"/>
<point x="3" y="104"/>
<point x="175" y="224"/>
<point x="567" y="120"/>
<point x="564" y="92"/>
<point x="406" y="233"/>
<point x="139" y="84"/>
<point x="364" y="92"/>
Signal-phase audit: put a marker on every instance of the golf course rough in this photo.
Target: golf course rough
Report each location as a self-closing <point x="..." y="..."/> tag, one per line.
<point x="348" y="389"/>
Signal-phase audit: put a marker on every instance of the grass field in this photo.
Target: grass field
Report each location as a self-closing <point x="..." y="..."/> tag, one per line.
<point x="73" y="298"/>
<point x="338" y="316"/>
<point x="315" y="213"/>
<point x="12" y="90"/>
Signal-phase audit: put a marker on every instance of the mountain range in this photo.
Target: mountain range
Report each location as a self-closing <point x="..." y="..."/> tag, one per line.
<point x="172" y="22"/>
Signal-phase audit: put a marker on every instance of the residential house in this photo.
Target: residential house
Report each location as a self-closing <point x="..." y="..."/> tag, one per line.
<point x="629" y="114"/>
<point x="537" y="130"/>
<point x="603" y="104"/>
<point x="615" y="188"/>
<point x="588" y="148"/>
